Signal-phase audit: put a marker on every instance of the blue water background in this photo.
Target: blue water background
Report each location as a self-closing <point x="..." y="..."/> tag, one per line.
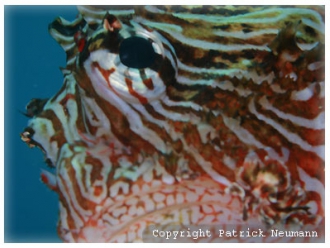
<point x="32" y="61"/>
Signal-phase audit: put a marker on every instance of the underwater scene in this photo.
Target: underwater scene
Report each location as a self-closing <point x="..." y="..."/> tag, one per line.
<point x="184" y="124"/>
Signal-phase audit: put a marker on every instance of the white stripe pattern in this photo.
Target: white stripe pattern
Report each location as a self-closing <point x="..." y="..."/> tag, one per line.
<point x="225" y="126"/>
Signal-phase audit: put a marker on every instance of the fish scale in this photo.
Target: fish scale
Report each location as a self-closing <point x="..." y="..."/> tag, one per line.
<point x="225" y="127"/>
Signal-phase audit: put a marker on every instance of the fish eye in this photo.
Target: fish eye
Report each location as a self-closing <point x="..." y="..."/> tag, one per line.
<point x="136" y="52"/>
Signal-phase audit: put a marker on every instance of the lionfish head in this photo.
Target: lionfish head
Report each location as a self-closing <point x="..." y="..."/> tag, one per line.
<point x="178" y="117"/>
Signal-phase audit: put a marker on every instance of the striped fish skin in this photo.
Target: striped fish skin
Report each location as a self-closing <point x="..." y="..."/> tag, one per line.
<point x="224" y="128"/>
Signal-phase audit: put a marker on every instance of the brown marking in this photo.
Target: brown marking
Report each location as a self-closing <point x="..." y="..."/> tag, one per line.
<point x="66" y="98"/>
<point x="148" y="83"/>
<point x="106" y="74"/>
<point x="142" y="99"/>
<point x="111" y="23"/>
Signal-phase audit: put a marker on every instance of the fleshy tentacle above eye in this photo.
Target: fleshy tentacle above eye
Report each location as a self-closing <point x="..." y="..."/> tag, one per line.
<point x="172" y="116"/>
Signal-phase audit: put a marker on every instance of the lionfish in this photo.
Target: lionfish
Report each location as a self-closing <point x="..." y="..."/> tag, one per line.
<point x="174" y="117"/>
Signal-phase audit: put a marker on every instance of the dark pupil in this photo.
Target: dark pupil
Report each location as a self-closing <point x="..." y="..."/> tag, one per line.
<point x="136" y="52"/>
